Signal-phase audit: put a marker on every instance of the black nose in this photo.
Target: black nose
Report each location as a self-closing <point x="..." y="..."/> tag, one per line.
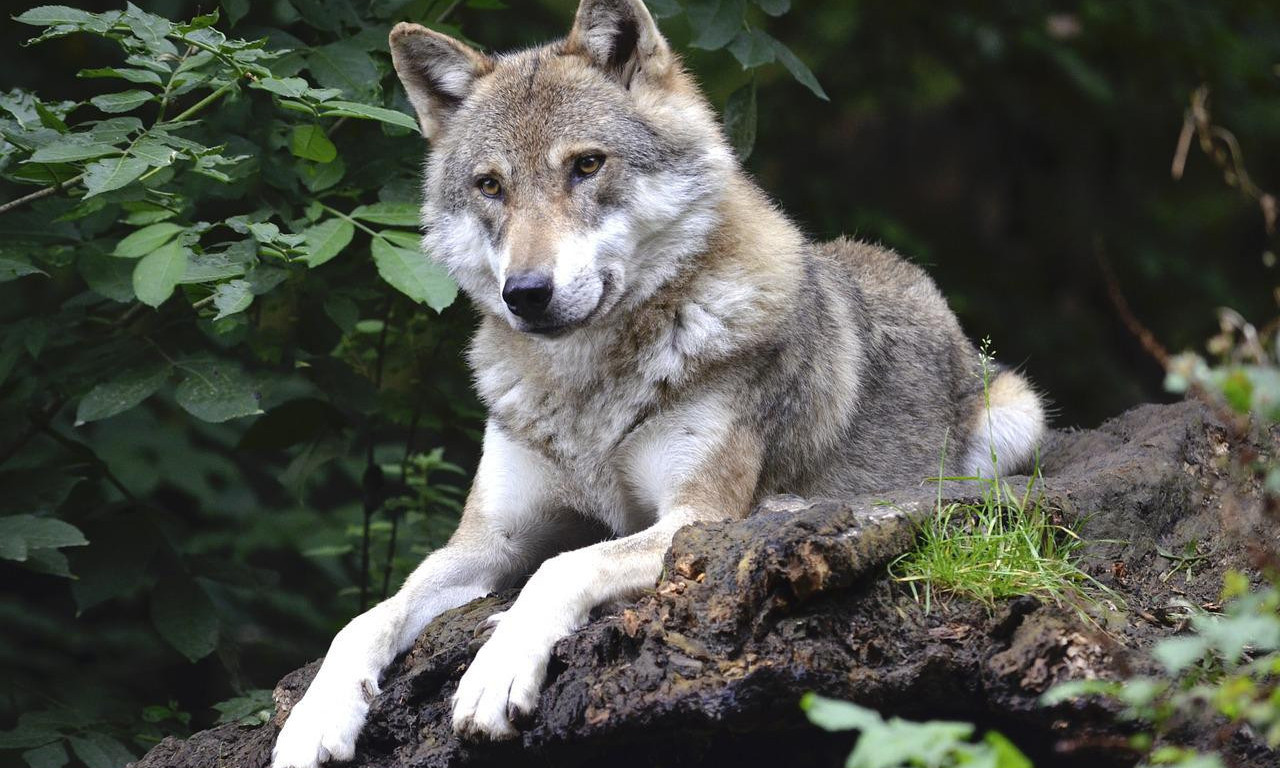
<point x="527" y="294"/>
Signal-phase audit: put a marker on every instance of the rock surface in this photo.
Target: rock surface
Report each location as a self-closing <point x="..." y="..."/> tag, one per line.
<point x="707" y="668"/>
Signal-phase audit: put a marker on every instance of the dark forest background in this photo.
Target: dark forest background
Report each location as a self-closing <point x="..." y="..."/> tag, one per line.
<point x="1012" y="147"/>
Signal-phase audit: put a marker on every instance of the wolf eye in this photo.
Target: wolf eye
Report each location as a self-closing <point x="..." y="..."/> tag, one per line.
<point x="489" y="186"/>
<point x="587" y="165"/>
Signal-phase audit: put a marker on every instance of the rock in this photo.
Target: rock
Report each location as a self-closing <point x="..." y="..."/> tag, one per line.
<point x="708" y="667"/>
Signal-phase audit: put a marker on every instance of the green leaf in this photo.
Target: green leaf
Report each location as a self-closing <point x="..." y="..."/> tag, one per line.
<point x="107" y="275"/>
<point x="20" y="534"/>
<point x="155" y="152"/>
<point x="253" y="708"/>
<point x="232" y="297"/>
<point x="798" y="70"/>
<point x="12" y="268"/>
<point x="664" y="9"/>
<point x="48" y="756"/>
<point x="73" y="147"/>
<point x="715" y="22"/>
<point x="50" y="562"/>
<point x="326" y="240"/>
<point x="107" y="175"/>
<point x="121" y="102"/>
<point x="143" y="241"/>
<point x="48" y="15"/>
<point x="122" y="392"/>
<point x="414" y="275"/>
<point x="184" y="616"/>
<point x="740" y="119"/>
<point x="835" y="715"/>
<point x="292" y="87"/>
<point x="158" y="273"/>
<point x="390" y="214"/>
<point x="143" y="76"/>
<point x="1006" y="752"/>
<point x="352" y="109"/>
<point x="116" y="562"/>
<point x="752" y="48"/>
<point x="346" y="65"/>
<point x="217" y="391"/>
<point x="236" y="10"/>
<point x="311" y="143"/>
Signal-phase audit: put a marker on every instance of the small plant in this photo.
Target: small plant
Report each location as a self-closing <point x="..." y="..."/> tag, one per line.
<point x="896" y="743"/>
<point x="1005" y="545"/>
<point x="1227" y="668"/>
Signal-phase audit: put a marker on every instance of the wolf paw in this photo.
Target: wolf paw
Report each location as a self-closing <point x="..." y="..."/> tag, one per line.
<point x="501" y="686"/>
<point x="324" y="725"/>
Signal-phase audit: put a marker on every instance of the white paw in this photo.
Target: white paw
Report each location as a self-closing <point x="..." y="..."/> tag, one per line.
<point x="324" y="725"/>
<point x="501" y="684"/>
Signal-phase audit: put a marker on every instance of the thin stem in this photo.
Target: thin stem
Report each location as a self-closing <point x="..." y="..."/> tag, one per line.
<point x="39" y="193"/>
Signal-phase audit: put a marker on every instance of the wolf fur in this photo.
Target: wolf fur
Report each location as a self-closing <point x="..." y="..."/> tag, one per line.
<point x="696" y="353"/>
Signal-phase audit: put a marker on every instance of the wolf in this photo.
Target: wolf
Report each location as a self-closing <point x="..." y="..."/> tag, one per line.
<point x="658" y="346"/>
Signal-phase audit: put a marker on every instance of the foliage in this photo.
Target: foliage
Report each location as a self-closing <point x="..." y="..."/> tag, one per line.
<point x="898" y="743"/>
<point x="229" y="378"/>
<point x="1227" y="667"/>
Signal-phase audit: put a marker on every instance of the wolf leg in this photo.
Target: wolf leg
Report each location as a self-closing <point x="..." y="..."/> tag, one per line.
<point x="1009" y="423"/>
<point x="508" y="525"/>
<point x="705" y="482"/>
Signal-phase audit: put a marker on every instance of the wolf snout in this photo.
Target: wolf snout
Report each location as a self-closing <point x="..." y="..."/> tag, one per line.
<point x="527" y="294"/>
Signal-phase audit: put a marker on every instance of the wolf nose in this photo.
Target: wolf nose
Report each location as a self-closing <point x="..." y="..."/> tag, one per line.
<point x="527" y="294"/>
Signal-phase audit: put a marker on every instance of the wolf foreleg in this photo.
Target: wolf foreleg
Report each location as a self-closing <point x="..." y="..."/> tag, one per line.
<point x="505" y="530"/>
<point x="706" y="482"/>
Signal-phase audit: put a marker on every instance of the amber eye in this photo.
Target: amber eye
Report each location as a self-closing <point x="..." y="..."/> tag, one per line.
<point x="489" y="186"/>
<point x="588" y="164"/>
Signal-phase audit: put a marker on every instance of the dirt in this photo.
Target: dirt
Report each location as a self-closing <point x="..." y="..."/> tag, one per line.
<point x="708" y="667"/>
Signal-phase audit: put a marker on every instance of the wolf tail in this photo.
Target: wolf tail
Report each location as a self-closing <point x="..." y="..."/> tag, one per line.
<point x="1007" y="426"/>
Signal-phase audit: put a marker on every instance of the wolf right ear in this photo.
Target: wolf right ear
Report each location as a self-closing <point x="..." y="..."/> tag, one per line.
<point x="621" y="38"/>
<point x="437" y="72"/>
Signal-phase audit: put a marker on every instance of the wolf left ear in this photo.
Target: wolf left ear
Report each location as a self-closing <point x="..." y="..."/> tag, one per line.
<point x="620" y="37"/>
<point x="437" y="72"/>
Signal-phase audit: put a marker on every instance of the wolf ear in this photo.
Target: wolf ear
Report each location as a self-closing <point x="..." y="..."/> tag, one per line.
<point x="437" y="71"/>
<point x="620" y="37"/>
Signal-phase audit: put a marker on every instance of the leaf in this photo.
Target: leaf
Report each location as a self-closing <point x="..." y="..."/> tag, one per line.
<point x="297" y="421"/>
<point x="100" y="751"/>
<point x="184" y="616"/>
<point x="48" y="15"/>
<point x="158" y="273"/>
<point x="752" y="48"/>
<point x="664" y="9"/>
<point x="48" y="756"/>
<point x="122" y="392"/>
<point x="155" y="152"/>
<point x="232" y="297"/>
<point x="236" y="10"/>
<point x="50" y="562"/>
<point x="326" y="240"/>
<point x="835" y="715"/>
<point x="143" y="76"/>
<point x="107" y="175"/>
<point x="19" y="534"/>
<point x="391" y="214"/>
<point x="217" y="391"/>
<point x="73" y="147"/>
<point x="13" y="268"/>
<point x="107" y="275"/>
<point x="311" y="143"/>
<point x="346" y="65"/>
<point x="798" y="70"/>
<point x="143" y="241"/>
<point x="740" y="120"/>
<point x="365" y="111"/>
<point x="1006" y="752"/>
<point x="414" y="275"/>
<point x="253" y="708"/>
<point x="292" y="87"/>
<point x="715" y="22"/>
<point x="774" y="7"/>
<point x="121" y="102"/>
<point x="115" y="563"/>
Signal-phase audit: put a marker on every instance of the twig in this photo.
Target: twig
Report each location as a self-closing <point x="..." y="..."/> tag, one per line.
<point x="39" y="193"/>
<point x="372" y="480"/>
<point x="1143" y="334"/>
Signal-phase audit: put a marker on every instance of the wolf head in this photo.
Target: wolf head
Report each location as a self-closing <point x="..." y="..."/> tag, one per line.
<point x="565" y="183"/>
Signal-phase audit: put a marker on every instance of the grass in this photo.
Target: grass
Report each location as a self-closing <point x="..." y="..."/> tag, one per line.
<point x="1006" y="545"/>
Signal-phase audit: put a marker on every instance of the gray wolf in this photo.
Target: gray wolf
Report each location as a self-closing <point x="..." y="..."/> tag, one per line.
<point x="658" y="346"/>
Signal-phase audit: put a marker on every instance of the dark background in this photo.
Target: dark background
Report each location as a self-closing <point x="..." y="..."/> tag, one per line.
<point x="1004" y="145"/>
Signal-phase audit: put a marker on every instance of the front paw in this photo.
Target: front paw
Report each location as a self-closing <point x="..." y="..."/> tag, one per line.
<point x="324" y="725"/>
<point x="499" y="687"/>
